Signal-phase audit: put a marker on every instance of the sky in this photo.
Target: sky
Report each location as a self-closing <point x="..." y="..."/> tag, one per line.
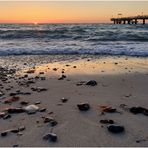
<point x="68" y="11"/>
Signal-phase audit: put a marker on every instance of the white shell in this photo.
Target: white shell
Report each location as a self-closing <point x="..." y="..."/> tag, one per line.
<point x="30" y="109"/>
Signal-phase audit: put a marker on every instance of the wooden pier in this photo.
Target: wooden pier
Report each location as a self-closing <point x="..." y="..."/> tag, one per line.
<point x="130" y="20"/>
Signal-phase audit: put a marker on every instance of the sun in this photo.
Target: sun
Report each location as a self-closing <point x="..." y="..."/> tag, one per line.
<point x="35" y="23"/>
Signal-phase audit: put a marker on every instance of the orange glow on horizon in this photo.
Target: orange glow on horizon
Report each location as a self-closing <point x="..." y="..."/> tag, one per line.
<point x="66" y="12"/>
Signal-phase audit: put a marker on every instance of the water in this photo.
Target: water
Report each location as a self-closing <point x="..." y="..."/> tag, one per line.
<point x="103" y="39"/>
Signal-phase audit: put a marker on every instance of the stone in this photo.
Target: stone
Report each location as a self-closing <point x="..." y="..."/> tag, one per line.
<point x="107" y="121"/>
<point x="21" y="128"/>
<point x="62" y="77"/>
<point x="64" y="100"/>
<point x="51" y="137"/>
<point x="30" y="71"/>
<point x="31" y="109"/>
<point x="115" y="128"/>
<point x="13" y="99"/>
<point x="42" y="109"/>
<point x="15" y="110"/>
<point x="24" y="102"/>
<point x="83" y="106"/>
<point x="3" y="134"/>
<point x="91" y="83"/>
<point x="7" y="116"/>
<point x="138" y="110"/>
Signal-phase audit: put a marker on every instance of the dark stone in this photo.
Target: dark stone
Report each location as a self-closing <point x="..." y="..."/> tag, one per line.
<point x="15" y="110"/>
<point x="42" y="110"/>
<point x="62" y="77"/>
<point x="53" y="123"/>
<point x="7" y="116"/>
<point x="14" y="130"/>
<point x="83" y="106"/>
<point x="91" y="83"/>
<point x="3" y="134"/>
<point x="24" y="102"/>
<point x="64" y="100"/>
<point x="115" y="128"/>
<point x="138" y="110"/>
<point x="107" y="121"/>
<point x="21" y="128"/>
<point x="51" y="137"/>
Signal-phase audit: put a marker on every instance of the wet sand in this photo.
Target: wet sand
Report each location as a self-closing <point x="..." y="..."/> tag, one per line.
<point x="121" y="84"/>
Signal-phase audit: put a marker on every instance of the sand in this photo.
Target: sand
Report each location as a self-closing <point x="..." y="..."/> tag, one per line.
<point x="120" y="80"/>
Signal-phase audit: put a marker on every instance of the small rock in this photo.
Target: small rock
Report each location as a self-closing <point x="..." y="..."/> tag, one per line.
<point x="42" y="109"/>
<point x="13" y="99"/>
<point x="30" y="71"/>
<point x="7" y="116"/>
<point x="3" y="134"/>
<point x="64" y="100"/>
<point x="24" y="102"/>
<point x="83" y="106"/>
<point x="91" y="83"/>
<point x="137" y="110"/>
<point x="31" y="109"/>
<point x="38" y="102"/>
<point x="55" y="69"/>
<point x="115" y="128"/>
<point x="14" y="110"/>
<point x="107" y="121"/>
<point x="21" y="128"/>
<point x="51" y="137"/>
<point x="62" y="77"/>
<point x="14" y="130"/>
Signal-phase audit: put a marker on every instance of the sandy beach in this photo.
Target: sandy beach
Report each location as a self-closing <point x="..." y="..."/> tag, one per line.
<point x="121" y="83"/>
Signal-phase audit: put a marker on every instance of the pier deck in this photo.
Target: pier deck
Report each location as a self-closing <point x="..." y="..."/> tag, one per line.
<point x="130" y="20"/>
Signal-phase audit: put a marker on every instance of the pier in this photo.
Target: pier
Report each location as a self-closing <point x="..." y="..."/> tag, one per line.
<point x="130" y="20"/>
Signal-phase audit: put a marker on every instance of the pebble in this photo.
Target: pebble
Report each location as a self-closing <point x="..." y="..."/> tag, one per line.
<point x="42" y="109"/>
<point x="91" y="83"/>
<point x="31" y="109"/>
<point x="137" y="110"/>
<point x="51" y="137"/>
<point x="64" y="100"/>
<point x="83" y="106"/>
<point x="62" y="77"/>
<point x="3" y="134"/>
<point x="24" y="102"/>
<point x="115" y="128"/>
<point x="107" y="121"/>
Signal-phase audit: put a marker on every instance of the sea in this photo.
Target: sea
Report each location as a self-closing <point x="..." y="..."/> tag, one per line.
<point x="73" y="39"/>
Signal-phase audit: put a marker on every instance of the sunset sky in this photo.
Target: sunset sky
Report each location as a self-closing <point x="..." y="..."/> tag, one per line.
<point x="68" y="11"/>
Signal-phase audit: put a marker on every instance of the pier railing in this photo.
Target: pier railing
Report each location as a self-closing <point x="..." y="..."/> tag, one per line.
<point x="130" y="19"/>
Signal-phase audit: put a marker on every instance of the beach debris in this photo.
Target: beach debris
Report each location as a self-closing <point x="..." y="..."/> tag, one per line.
<point x="107" y="109"/>
<point x="12" y="110"/>
<point x="38" y="89"/>
<point x="139" y="110"/>
<point x="107" y="121"/>
<point x="42" y="109"/>
<point x="141" y="140"/>
<point x="3" y="134"/>
<point x="62" y="77"/>
<point x="55" y="69"/>
<point x="31" y="109"/>
<point x="81" y="83"/>
<point x="2" y="114"/>
<point x="64" y="100"/>
<point x="43" y="78"/>
<point x="51" y="137"/>
<point x="13" y="99"/>
<point x="91" y="83"/>
<point x="83" y="106"/>
<point x="37" y="102"/>
<point x="115" y="128"/>
<point x="7" y="116"/>
<point x="50" y="120"/>
<point x="30" y="71"/>
<point x="24" y="102"/>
